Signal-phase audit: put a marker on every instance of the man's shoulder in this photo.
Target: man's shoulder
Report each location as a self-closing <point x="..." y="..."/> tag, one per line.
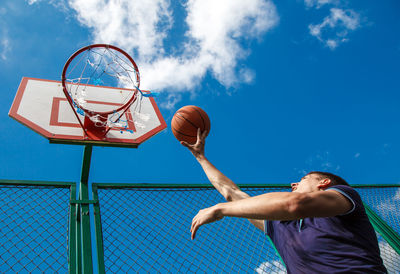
<point x="345" y="190"/>
<point x="351" y="194"/>
<point x="342" y="187"/>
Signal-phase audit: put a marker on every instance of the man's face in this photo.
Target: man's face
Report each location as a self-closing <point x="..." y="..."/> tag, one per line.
<point x="308" y="183"/>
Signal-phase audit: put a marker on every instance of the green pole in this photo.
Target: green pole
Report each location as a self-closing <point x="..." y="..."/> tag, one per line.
<point x="72" y="262"/>
<point x="78" y="243"/>
<point x="87" y="266"/>
<point x="386" y="231"/>
<point x="99" y="231"/>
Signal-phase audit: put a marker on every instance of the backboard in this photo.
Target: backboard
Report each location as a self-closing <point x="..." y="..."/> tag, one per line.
<point x="42" y="106"/>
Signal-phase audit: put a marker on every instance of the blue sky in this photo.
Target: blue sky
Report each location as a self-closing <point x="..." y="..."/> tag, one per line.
<point x="289" y="86"/>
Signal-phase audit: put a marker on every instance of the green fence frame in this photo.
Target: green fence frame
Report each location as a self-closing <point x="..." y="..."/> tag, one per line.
<point x="391" y="236"/>
<point x="80" y="242"/>
<point x="73" y="239"/>
<point x="388" y="233"/>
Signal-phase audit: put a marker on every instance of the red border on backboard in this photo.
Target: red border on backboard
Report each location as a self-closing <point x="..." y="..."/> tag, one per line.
<point x="55" y="110"/>
<point x="80" y="139"/>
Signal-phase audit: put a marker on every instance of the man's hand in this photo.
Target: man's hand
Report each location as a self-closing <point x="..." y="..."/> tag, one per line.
<point x="197" y="149"/>
<point x="205" y="216"/>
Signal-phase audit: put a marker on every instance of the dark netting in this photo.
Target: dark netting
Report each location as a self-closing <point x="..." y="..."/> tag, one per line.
<point x="385" y="201"/>
<point x="148" y="230"/>
<point x="391" y="259"/>
<point x="33" y="229"/>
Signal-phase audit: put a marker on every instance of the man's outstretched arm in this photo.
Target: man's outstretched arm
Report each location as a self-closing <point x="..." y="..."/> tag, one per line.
<point x="276" y="206"/>
<point x="228" y="189"/>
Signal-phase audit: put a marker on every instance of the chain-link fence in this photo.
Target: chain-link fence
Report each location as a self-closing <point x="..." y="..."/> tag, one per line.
<point x="34" y="226"/>
<point x="384" y="203"/>
<point x="147" y="229"/>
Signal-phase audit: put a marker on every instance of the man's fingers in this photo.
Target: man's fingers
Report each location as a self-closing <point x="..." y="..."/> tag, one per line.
<point x="194" y="229"/>
<point x="198" y="134"/>
<point x="191" y="229"/>
<point x="201" y="136"/>
<point x="191" y="226"/>
<point x="186" y="144"/>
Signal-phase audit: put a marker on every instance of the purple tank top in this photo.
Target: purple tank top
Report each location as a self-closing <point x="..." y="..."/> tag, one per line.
<point x="340" y="244"/>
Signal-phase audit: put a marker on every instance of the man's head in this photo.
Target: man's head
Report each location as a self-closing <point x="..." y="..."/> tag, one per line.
<point x="317" y="180"/>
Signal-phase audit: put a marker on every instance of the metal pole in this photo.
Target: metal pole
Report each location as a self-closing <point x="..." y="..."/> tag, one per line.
<point x="99" y="232"/>
<point x="85" y="218"/>
<point x="386" y="231"/>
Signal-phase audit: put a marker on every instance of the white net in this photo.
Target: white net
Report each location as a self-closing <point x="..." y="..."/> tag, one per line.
<point x="103" y="82"/>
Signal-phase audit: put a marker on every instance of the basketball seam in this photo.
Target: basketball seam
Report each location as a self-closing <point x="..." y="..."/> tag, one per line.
<point x="201" y="116"/>
<point x="177" y="131"/>
<point x="180" y="115"/>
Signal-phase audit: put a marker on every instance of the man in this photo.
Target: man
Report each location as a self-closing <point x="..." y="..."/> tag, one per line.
<point x="321" y="226"/>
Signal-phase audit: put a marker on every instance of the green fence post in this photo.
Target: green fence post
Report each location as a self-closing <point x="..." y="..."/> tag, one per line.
<point x="98" y="231"/>
<point x="384" y="229"/>
<point x="72" y="260"/>
<point x="78" y="234"/>
<point x="85" y="218"/>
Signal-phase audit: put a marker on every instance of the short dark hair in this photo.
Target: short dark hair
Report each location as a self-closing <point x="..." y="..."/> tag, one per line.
<point x="336" y="180"/>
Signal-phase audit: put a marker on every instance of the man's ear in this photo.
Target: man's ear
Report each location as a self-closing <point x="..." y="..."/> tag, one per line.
<point x="324" y="183"/>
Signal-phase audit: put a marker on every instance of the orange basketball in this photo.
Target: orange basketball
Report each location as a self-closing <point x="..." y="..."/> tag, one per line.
<point x="187" y="120"/>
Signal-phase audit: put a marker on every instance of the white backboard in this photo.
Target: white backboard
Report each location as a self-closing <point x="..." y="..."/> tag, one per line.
<point x="42" y="106"/>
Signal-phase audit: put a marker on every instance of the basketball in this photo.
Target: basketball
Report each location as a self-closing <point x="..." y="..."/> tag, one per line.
<point x="187" y="120"/>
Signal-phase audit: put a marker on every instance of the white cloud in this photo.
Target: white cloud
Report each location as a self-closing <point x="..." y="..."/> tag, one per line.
<point x="219" y="29"/>
<point x="389" y="207"/>
<point x="5" y="44"/>
<point x="132" y="25"/>
<point x="271" y="267"/>
<point x="319" y="3"/>
<point x="319" y="161"/>
<point x="389" y="256"/>
<point x="335" y="28"/>
<point x="5" y="48"/>
<point x="60" y="4"/>
<point x="170" y="100"/>
<point x="386" y="208"/>
<point x="397" y="196"/>
<point x="211" y="44"/>
<point x="301" y="171"/>
<point x="322" y="161"/>
<point x="385" y="149"/>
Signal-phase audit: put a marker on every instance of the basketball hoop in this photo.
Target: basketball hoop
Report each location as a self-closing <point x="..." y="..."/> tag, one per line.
<point x="100" y="65"/>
